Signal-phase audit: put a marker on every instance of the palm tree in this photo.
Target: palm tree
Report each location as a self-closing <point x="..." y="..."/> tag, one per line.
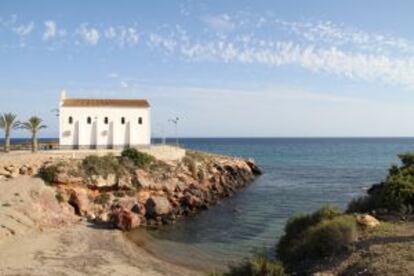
<point x="34" y="124"/>
<point x="8" y="122"/>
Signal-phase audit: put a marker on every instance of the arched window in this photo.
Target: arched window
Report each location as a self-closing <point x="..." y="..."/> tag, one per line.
<point x="89" y="120"/>
<point x="70" y="120"/>
<point x="140" y="120"/>
<point x="106" y="120"/>
<point x="123" y="120"/>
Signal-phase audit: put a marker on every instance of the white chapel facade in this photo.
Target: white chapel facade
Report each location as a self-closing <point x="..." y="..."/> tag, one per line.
<point x="103" y="123"/>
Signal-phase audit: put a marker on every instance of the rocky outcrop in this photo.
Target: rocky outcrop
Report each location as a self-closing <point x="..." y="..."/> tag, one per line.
<point x="154" y="195"/>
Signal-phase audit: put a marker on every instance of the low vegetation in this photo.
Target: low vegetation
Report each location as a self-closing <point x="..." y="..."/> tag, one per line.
<point x="101" y="165"/>
<point x="48" y="173"/>
<point x="324" y="233"/>
<point x="257" y="266"/>
<point x="140" y="159"/>
<point x="394" y="195"/>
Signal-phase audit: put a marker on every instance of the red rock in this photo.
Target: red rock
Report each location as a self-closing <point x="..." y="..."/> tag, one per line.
<point x="191" y="200"/>
<point x="124" y="219"/>
<point x="80" y="201"/>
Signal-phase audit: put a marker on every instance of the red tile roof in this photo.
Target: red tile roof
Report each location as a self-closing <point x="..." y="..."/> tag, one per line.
<point x="105" y="103"/>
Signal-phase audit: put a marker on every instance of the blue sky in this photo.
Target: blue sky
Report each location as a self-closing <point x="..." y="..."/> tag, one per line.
<point x="226" y="68"/>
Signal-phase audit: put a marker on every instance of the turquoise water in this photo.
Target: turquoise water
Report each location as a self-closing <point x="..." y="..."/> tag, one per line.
<point x="299" y="176"/>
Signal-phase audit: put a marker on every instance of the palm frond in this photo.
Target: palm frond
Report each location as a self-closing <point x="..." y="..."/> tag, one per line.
<point x="8" y="121"/>
<point x="33" y="124"/>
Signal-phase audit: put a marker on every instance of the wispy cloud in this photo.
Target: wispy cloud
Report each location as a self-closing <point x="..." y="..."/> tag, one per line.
<point x="89" y="35"/>
<point x="123" y="35"/>
<point x="322" y="46"/>
<point x="24" y="30"/>
<point x="326" y="48"/>
<point x="341" y="35"/>
<point x="51" y="30"/>
<point x="221" y="22"/>
<point x="166" y="43"/>
<point x="124" y="84"/>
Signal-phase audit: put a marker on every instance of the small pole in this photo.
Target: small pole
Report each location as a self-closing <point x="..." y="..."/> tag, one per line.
<point x="175" y="122"/>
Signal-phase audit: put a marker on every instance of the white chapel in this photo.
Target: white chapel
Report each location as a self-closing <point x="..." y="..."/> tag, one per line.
<point x="103" y="123"/>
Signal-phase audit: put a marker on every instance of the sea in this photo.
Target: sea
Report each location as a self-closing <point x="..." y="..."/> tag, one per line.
<point x="300" y="175"/>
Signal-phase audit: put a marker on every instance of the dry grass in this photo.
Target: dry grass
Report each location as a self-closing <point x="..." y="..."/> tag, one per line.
<point x="387" y="250"/>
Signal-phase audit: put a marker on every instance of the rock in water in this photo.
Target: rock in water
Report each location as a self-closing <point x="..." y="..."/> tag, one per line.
<point x="157" y="206"/>
<point x="255" y="169"/>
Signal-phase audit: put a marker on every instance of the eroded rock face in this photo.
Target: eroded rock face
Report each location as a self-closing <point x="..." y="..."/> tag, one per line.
<point x="157" y="206"/>
<point x="63" y="178"/>
<point x="98" y="181"/>
<point x="80" y="201"/>
<point x="143" y="179"/>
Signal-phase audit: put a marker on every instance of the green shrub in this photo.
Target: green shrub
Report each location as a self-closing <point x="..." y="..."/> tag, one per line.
<point x="330" y="237"/>
<point x="398" y="191"/>
<point x="257" y="266"/>
<point x="407" y="159"/>
<point x="363" y="204"/>
<point x="101" y="165"/>
<point x="324" y="233"/>
<point x="140" y="159"/>
<point x="395" y="194"/>
<point x="48" y="173"/>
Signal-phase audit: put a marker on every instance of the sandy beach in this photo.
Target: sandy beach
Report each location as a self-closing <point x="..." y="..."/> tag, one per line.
<point x="39" y="236"/>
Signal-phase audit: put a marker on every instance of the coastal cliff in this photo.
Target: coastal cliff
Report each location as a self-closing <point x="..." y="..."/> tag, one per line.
<point x="136" y="189"/>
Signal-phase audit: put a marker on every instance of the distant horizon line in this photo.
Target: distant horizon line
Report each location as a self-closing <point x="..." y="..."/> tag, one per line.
<point x="252" y="137"/>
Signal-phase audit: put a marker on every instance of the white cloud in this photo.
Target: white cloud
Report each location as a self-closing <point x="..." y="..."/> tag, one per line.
<point x="340" y="35"/>
<point x="50" y="31"/>
<point x="351" y="64"/>
<point x="123" y="35"/>
<point x="110" y="33"/>
<point x="23" y="30"/>
<point x="168" y="44"/>
<point x="89" y="35"/>
<point x="222" y="22"/>
<point x="124" y="84"/>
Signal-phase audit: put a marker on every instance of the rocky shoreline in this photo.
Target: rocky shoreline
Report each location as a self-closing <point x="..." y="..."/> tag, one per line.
<point x="112" y="191"/>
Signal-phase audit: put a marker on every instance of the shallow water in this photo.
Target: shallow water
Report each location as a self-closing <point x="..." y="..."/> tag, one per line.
<point x="300" y="175"/>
